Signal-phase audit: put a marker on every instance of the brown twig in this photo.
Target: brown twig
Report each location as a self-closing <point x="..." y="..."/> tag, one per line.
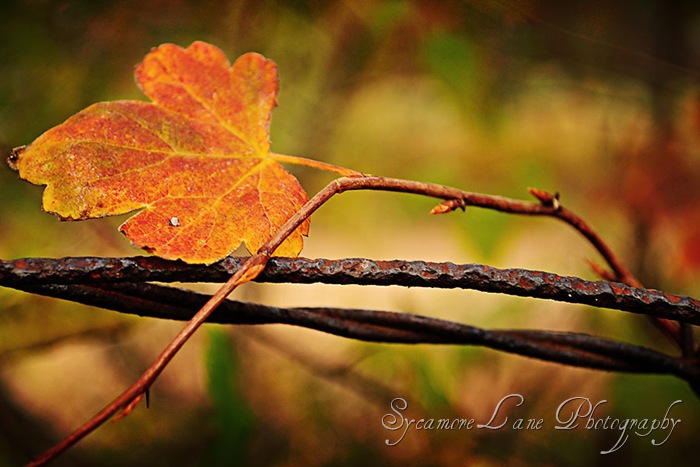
<point x="256" y="263"/>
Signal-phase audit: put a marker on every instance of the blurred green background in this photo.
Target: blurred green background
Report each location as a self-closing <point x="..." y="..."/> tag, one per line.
<point x="597" y="100"/>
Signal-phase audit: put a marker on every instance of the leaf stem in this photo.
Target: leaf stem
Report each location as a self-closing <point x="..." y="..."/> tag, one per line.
<point x="314" y="164"/>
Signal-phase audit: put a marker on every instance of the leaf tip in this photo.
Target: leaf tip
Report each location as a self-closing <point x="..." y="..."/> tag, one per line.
<point x="14" y="156"/>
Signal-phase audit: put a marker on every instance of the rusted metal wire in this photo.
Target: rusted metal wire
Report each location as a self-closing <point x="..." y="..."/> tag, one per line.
<point x="123" y="284"/>
<point x="520" y="282"/>
<point x="574" y="349"/>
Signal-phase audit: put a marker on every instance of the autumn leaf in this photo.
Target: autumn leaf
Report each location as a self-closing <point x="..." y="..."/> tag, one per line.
<point x="195" y="161"/>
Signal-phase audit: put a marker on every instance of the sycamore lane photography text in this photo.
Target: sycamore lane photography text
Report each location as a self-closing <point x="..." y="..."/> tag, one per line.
<point x="573" y="413"/>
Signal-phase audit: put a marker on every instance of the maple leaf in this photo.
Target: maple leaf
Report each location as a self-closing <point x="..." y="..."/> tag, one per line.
<point x="196" y="160"/>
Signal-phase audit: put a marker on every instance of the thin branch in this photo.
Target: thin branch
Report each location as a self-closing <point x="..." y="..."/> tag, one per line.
<point x="254" y="265"/>
<point x="360" y="271"/>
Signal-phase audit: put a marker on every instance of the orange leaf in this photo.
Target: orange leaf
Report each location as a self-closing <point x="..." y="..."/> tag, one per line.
<point x="196" y="160"/>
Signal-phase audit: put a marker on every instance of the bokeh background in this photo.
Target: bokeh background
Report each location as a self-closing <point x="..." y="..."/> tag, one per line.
<point x="597" y="100"/>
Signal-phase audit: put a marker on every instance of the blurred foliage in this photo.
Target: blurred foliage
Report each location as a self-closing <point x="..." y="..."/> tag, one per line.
<point x="234" y="420"/>
<point x="597" y="100"/>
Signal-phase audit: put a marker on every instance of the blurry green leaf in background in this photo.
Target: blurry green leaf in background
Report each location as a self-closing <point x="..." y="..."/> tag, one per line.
<point x="234" y="421"/>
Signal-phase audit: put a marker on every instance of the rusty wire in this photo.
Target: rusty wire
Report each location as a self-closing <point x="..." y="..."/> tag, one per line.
<point x="121" y="284"/>
<point x="360" y="271"/>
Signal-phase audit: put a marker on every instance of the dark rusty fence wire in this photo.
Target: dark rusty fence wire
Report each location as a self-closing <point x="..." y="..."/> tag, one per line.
<point x="574" y="349"/>
<point x="121" y="284"/>
<point x="360" y="271"/>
